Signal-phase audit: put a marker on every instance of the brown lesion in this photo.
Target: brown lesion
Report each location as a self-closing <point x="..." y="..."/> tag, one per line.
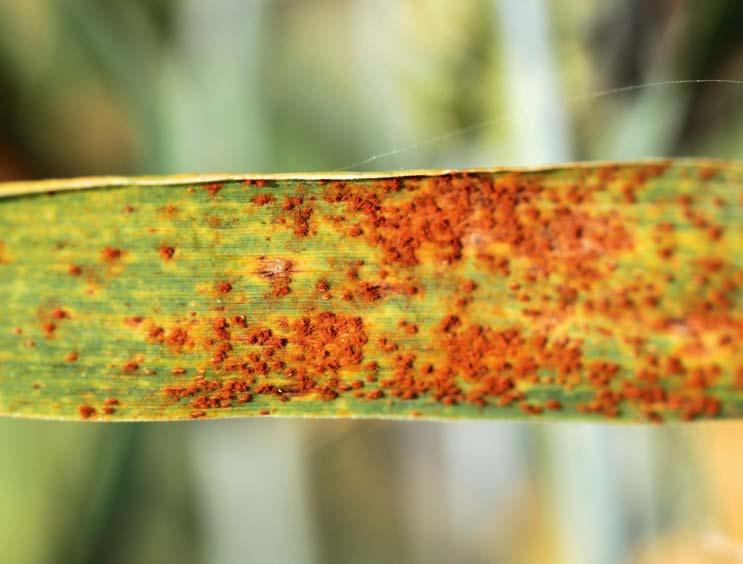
<point x="277" y="272"/>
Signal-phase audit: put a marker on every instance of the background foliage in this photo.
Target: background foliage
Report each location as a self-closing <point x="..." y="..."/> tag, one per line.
<point x="89" y="87"/>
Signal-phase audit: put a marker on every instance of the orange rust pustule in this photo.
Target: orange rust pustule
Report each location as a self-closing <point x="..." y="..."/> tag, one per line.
<point x="86" y="411"/>
<point x="166" y="252"/>
<point x="301" y="219"/>
<point x="177" y="339"/>
<point x="223" y="287"/>
<point x="262" y="199"/>
<point x="110" y="254"/>
<point x="59" y="313"/>
<point x="129" y="366"/>
<point x="553" y="404"/>
<point x="213" y="189"/>
<point x="291" y="202"/>
<point x="133" y="321"/>
<point x="220" y="326"/>
<point x="322" y="286"/>
<point x="407" y="327"/>
<point x="468" y="286"/>
<point x="169" y="211"/>
<point x="51" y="319"/>
<point x="369" y="291"/>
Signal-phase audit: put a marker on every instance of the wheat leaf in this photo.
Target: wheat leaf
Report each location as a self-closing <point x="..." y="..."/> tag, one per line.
<point x="592" y="291"/>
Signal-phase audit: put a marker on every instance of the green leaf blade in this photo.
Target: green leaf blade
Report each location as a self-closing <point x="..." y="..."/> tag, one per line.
<point x="598" y="291"/>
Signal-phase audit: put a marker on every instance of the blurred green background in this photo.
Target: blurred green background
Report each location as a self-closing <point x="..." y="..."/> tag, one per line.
<point x="166" y="86"/>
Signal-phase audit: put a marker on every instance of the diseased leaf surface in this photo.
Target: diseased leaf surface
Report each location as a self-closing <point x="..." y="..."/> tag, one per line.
<point x="592" y="291"/>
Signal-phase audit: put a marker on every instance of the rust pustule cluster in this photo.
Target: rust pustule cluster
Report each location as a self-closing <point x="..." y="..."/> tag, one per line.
<point x="307" y="355"/>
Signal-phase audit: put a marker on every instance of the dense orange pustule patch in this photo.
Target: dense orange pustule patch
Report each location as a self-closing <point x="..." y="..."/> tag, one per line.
<point x="475" y="356"/>
<point x="307" y="356"/>
<point x="483" y="363"/>
<point x="329" y="341"/>
<point x="451" y="212"/>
